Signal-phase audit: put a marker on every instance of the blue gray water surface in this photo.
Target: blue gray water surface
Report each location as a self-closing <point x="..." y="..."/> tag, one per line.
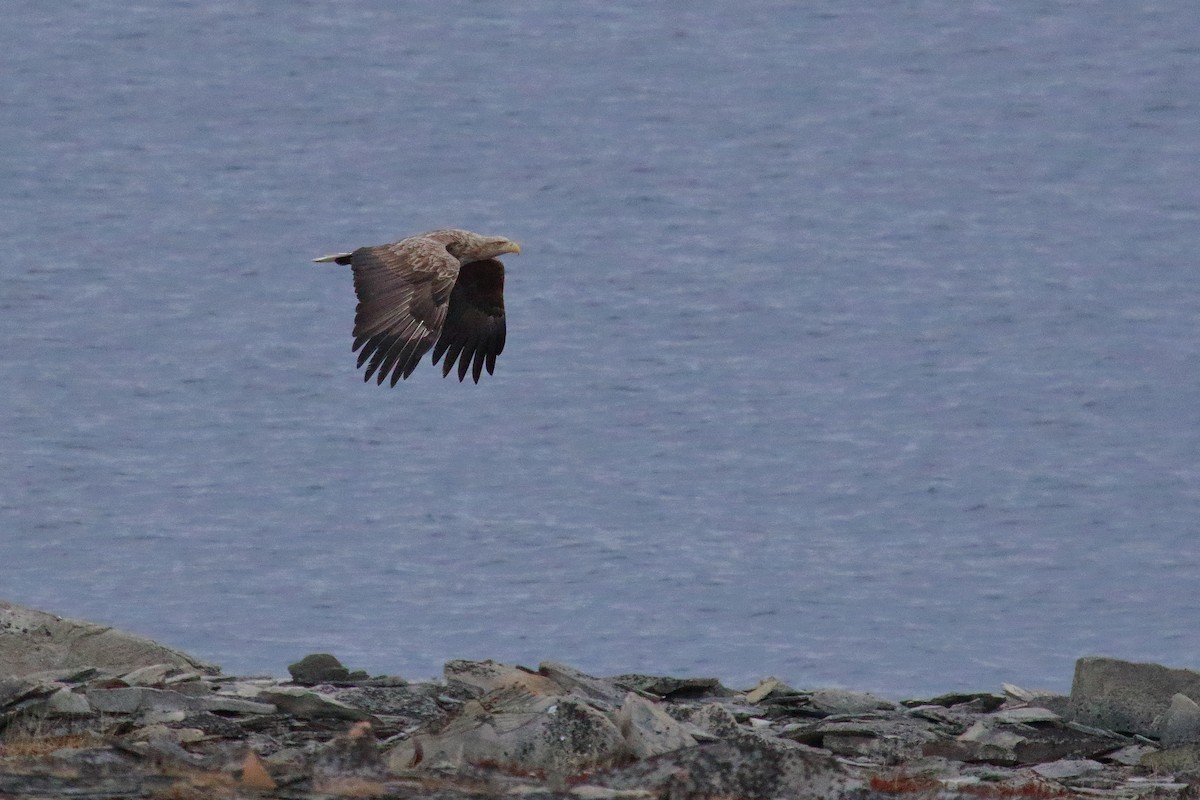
<point x="851" y="342"/>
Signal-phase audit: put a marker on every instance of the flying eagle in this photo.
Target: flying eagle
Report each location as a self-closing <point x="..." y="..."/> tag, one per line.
<point x="442" y="289"/>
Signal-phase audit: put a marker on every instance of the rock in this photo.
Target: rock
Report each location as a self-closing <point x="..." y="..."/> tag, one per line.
<point x="157" y="674"/>
<point x="1130" y="755"/>
<point x="231" y="705"/>
<point x="588" y="792"/>
<point x="717" y="720"/>
<point x="310" y="705"/>
<point x="255" y="775"/>
<point x="134" y="700"/>
<point x="352" y="753"/>
<point x="751" y="767"/>
<point x="176" y="735"/>
<point x="992" y="744"/>
<point x="981" y="702"/>
<point x="989" y="742"/>
<point x="1185" y="759"/>
<point x="318" y="668"/>
<point x="519" y="732"/>
<point x="673" y="688"/>
<point x="1126" y="696"/>
<point x="569" y="679"/>
<point x="768" y="687"/>
<point x="1017" y="693"/>
<point x="841" y="701"/>
<point x="68" y="703"/>
<point x="1180" y="723"/>
<point x="648" y="730"/>
<point x="886" y="739"/>
<point x="34" y="641"/>
<point x="17" y="690"/>
<point x="1026" y="715"/>
<point x="1068" y="768"/>
<point x="478" y="678"/>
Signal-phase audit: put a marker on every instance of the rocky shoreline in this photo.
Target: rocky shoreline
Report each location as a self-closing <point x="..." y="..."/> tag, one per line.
<point x="90" y="712"/>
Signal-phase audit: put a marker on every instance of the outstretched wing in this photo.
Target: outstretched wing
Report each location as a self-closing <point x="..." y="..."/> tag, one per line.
<point x="474" y="331"/>
<point x="403" y="292"/>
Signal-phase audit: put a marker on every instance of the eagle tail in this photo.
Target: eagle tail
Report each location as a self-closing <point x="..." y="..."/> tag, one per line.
<point x="336" y="258"/>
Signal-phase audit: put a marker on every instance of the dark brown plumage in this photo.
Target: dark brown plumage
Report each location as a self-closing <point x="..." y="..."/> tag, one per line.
<point x="443" y="290"/>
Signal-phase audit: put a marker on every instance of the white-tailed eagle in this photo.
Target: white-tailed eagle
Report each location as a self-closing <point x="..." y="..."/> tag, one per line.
<point x="443" y="290"/>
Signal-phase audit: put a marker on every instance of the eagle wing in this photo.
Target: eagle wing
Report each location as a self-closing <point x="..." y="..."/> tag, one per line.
<point x="474" y="329"/>
<point x="404" y="290"/>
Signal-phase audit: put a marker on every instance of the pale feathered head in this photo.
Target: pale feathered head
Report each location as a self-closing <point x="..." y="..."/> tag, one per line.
<point x="467" y="246"/>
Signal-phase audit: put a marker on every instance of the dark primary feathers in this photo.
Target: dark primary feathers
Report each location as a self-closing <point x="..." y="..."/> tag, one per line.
<point x="442" y="290"/>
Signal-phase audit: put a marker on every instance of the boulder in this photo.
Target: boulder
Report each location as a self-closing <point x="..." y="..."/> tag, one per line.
<point x="318" y="668"/>
<point x="571" y="680"/>
<point x="478" y="678"/>
<point x="1182" y="759"/>
<point x="517" y="732"/>
<point x="1180" y="723"/>
<point x="842" y="701"/>
<point x="674" y="688"/>
<point x="648" y="730"/>
<point x="750" y="767"/>
<point x="1126" y="696"/>
<point x="33" y="641"/>
<point x="306" y="704"/>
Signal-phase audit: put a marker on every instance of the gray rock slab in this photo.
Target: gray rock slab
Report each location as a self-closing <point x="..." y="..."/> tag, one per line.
<point x="884" y="739"/>
<point x="750" y="767"/>
<point x="989" y="742"/>
<point x="310" y="705"/>
<point x="570" y="679"/>
<point x="231" y="705"/>
<point x="1130" y="755"/>
<point x="1185" y="759"/>
<point x="675" y="688"/>
<point x="769" y="687"/>
<point x="35" y="641"/>
<point x="981" y="702"/>
<point x="67" y="702"/>
<point x="136" y="699"/>
<point x="481" y="677"/>
<point x="18" y="689"/>
<point x="648" y="730"/>
<point x="1180" y="723"/>
<point x="160" y="675"/>
<point x="517" y="731"/>
<point x="1027" y="715"/>
<point x="716" y="720"/>
<point x="842" y="701"/>
<point x="1068" y="768"/>
<point x="1127" y="696"/>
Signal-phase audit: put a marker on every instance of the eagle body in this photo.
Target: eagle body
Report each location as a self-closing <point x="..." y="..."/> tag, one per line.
<point x="442" y="290"/>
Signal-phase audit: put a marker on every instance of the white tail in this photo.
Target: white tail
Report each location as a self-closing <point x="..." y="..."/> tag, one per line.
<point x="333" y="258"/>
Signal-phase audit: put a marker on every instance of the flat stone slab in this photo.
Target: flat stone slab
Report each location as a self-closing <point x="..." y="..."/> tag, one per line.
<point x="33" y="641"/>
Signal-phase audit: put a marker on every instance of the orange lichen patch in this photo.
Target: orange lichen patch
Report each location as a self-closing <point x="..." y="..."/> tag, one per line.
<point x="196" y="785"/>
<point x="350" y="787"/>
<point x="254" y="774"/>
<point x="359" y="730"/>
